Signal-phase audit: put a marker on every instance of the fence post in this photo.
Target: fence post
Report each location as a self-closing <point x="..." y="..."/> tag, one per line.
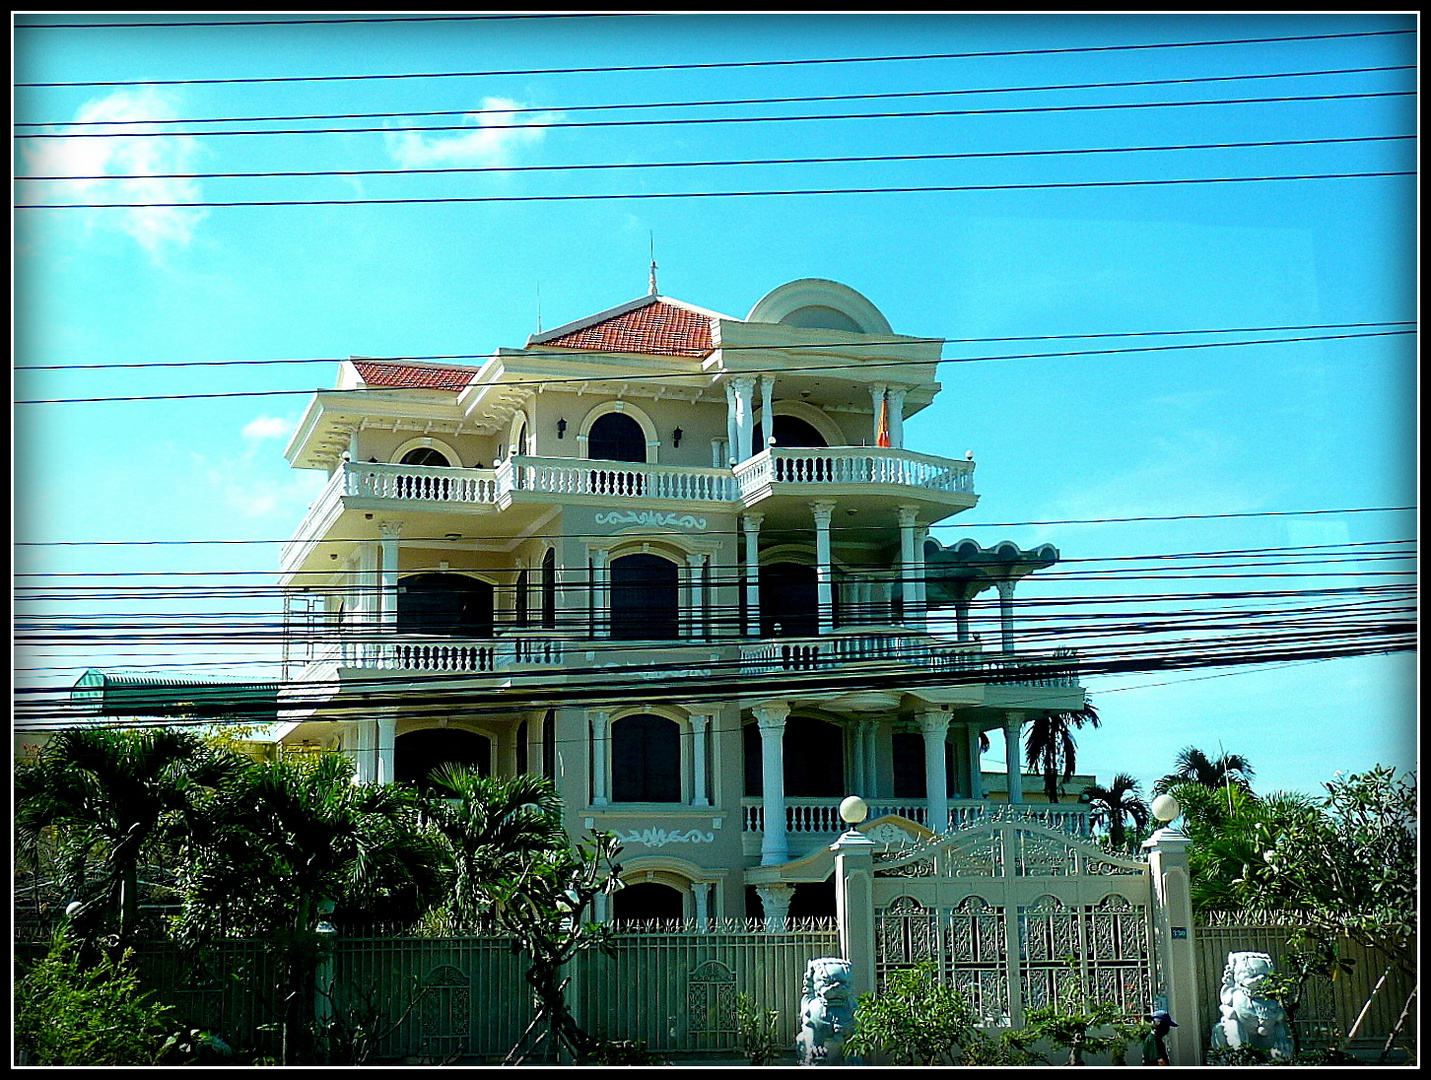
<point x="1175" y="949"/>
<point x="854" y="907"/>
<point x="323" y="981"/>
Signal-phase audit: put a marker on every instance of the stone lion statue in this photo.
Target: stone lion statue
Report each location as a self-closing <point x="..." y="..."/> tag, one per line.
<point x="827" y="1012"/>
<point x="1249" y="1018"/>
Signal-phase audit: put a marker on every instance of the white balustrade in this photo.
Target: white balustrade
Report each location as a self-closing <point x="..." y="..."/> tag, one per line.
<point x="834" y="650"/>
<point x="565" y="476"/>
<point x="422" y="482"/>
<point x="854" y="465"/>
<point x="807" y="815"/>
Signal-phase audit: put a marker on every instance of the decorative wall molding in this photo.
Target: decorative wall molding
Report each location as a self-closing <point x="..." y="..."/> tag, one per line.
<point x="651" y="517"/>
<point x="656" y="837"/>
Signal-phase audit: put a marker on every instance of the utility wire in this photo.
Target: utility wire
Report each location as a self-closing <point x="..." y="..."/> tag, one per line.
<point x="727" y="64"/>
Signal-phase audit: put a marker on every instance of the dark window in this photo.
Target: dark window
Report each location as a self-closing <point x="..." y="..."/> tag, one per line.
<point x="645" y="759"/>
<point x="909" y="780"/>
<point x="616" y="437"/>
<point x="522" y="747"/>
<point x="645" y="598"/>
<point x="645" y="901"/>
<point x="417" y="753"/>
<point x="789" y="601"/>
<point x="814" y="758"/>
<point x="444" y="604"/>
<point x="425" y="456"/>
<point x="549" y="750"/>
<point x="750" y="743"/>
<point x="549" y="590"/>
<point x="521" y="604"/>
<point x="813" y="900"/>
<point x="790" y="431"/>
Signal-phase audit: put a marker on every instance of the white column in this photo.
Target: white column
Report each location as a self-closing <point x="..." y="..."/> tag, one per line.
<point x="854" y="907"/>
<point x="600" y="594"/>
<point x="776" y="901"/>
<point x="876" y="401"/>
<point x="921" y="602"/>
<point x="744" y="416"/>
<point x="908" y="591"/>
<point x="700" y="724"/>
<point x="934" y="726"/>
<point x="1006" y="614"/>
<point x="774" y="846"/>
<point x="823" y="570"/>
<point x="387" y="744"/>
<point x="693" y="623"/>
<point x="1013" y="725"/>
<point x="600" y="727"/>
<point x="701" y="892"/>
<point x="976" y="766"/>
<point x="730" y="410"/>
<point x="389" y="531"/>
<point x="752" y="573"/>
<point x="961" y="619"/>
<point x="896" y="417"/>
<point x="767" y="394"/>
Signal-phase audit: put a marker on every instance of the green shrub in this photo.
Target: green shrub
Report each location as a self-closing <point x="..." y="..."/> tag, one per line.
<point x="65" y="1015"/>
<point x="759" y="1032"/>
<point x="914" y="1019"/>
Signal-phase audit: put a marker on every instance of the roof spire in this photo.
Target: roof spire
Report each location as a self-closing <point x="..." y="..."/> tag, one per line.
<point x="653" y="262"/>
<point x="539" y="307"/>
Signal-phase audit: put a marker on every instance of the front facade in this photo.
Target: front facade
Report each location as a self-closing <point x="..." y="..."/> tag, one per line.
<point x="678" y="562"/>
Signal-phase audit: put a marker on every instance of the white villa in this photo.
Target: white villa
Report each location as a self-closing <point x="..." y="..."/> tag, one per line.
<point x="678" y="562"/>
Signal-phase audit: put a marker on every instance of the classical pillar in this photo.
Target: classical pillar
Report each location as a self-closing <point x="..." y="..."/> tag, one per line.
<point x="908" y="591"/>
<point x="695" y="598"/>
<point x="752" y="573"/>
<point x="854" y="907"/>
<point x="921" y="603"/>
<point x="896" y="417"/>
<point x="730" y="441"/>
<point x="961" y="619"/>
<point x="701" y="892"/>
<point x="1175" y="948"/>
<point x="700" y="724"/>
<point x="774" y="846"/>
<point x="600" y="728"/>
<point x="870" y="731"/>
<point x="744" y="416"/>
<point x="877" y="400"/>
<point x="386" y="749"/>
<point x="976" y="766"/>
<point x="767" y="394"/>
<point x="1006" y="614"/>
<point x="388" y="532"/>
<point x="934" y="726"/>
<point x="1013" y="725"/>
<point x="825" y="597"/>
<point x="775" y="899"/>
<point x="600" y="594"/>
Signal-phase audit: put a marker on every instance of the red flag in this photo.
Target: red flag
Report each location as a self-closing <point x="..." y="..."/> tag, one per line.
<point x="882" y="436"/>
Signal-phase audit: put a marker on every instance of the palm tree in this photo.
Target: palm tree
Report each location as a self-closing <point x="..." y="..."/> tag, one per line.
<point x="110" y="796"/>
<point x="1115" y="804"/>
<point x="1192" y="766"/>
<point x="1049" y="746"/>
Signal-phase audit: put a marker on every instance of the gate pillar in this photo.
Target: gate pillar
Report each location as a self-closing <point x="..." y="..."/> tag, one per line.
<point x="1175" y="949"/>
<point x="854" y="907"/>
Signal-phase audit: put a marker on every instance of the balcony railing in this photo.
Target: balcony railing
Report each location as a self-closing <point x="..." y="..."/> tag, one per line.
<point x="429" y="653"/>
<point x="805" y="815"/>
<point x="853" y="465"/>
<point x="566" y="476"/>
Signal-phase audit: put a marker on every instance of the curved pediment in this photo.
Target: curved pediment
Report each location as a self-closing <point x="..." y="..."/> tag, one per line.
<point x="816" y="303"/>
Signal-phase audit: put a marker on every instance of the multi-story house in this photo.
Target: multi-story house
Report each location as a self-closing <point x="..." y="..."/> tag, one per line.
<point x="678" y="562"/>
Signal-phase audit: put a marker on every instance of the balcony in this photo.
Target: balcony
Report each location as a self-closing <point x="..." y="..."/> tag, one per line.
<point x="314" y="657"/>
<point x="821" y="817"/>
<point x="859" y="468"/>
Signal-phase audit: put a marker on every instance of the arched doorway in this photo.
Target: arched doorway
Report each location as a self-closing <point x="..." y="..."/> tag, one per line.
<point x="645" y="759"/>
<point x="789" y="600"/>
<point x="790" y="431"/>
<point x="451" y="604"/>
<point x="814" y="759"/>
<point x="646" y="901"/>
<point x="616" y="437"/>
<point x="426" y="457"/>
<point x="417" y="753"/>
<point x="645" y="598"/>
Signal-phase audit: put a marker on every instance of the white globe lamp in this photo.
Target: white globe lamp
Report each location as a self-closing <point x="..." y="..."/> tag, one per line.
<point x="853" y="810"/>
<point x="1165" y="808"/>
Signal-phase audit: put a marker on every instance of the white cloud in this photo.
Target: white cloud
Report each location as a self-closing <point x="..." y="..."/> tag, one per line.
<point x="491" y="141"/>
<point x="122" y="149"/>
<point x="267" y="427"/>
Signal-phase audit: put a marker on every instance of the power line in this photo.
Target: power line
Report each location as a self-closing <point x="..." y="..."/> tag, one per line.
<point x="311" y="22"/>
<point x="719" y="65"/>
<point x="550" y="381"/>
<point x="705" y="103"/>
<point x="548" y="125"/>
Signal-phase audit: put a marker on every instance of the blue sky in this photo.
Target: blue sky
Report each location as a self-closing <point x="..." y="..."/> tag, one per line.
<point x="1242" y="430"/>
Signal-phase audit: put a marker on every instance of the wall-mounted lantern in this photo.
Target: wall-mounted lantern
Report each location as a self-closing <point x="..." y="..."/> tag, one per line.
<point x="561" y="428"/>
<point x="676" y="437"/>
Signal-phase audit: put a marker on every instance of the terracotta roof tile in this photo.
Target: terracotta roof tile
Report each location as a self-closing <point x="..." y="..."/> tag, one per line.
<point x="378" y="373"/>
<point x="658" y="329"/>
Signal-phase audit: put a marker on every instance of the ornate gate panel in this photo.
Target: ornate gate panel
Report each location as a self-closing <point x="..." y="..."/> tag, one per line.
<point x="1016" y="915"/>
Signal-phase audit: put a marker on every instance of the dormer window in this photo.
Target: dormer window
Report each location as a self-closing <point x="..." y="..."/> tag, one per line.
<point x="426" y="457"/>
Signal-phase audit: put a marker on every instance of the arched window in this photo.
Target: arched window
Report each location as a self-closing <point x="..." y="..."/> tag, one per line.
<point x="425" y="456"/>
<point x="452" y="604"/>
<point x="645" y="759"/>
<point x="645" y="598"/>
<point x="549" y="750"/>
<point x="789" y="600"/>
<point x="417" y="753"/>
<point x="616" y="437"/>
<point x="814" y="759"/>
<point x="790" y="431"/>
<point x="549" y="589"/>
<point x="646" y="901"/>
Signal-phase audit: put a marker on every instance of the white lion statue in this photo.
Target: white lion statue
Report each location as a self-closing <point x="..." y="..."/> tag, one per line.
<point x="1248" y="1017"/>
<point x="827" y="1012"/>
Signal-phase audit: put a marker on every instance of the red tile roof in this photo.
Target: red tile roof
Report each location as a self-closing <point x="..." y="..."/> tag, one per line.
<point x="378" y="373"/>
<point x="658" y="328"/>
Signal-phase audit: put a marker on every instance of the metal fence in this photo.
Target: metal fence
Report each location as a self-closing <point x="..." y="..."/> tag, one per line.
<point x="1331" y="1007"/>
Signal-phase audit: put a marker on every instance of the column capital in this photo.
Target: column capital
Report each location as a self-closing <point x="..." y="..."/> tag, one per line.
<point x="771" y="716"/>
<point x="752" y="522"/>
<point x="1006" y="588"/>
<point x="598" y="716"/>
<point x="908" y="516"/>
<point x="934" y="723"/>
<point x="699" y="721"/>
<point x="390" y="530"/>
<point x="822" y="512"/>
<point x="877" y="391"/>
<point x="743" y="384"/>
<point x="698" y="559"/>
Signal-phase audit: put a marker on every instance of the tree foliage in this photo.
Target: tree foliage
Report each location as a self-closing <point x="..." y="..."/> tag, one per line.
<point x="1192" y="766"/>
<point x="1050" y="748"/>
<point x="1116" y="805"/>
<point x="914" y="1019"/>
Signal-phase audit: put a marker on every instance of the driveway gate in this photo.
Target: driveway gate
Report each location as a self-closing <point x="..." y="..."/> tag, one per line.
<point x="1002" y="908"/>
